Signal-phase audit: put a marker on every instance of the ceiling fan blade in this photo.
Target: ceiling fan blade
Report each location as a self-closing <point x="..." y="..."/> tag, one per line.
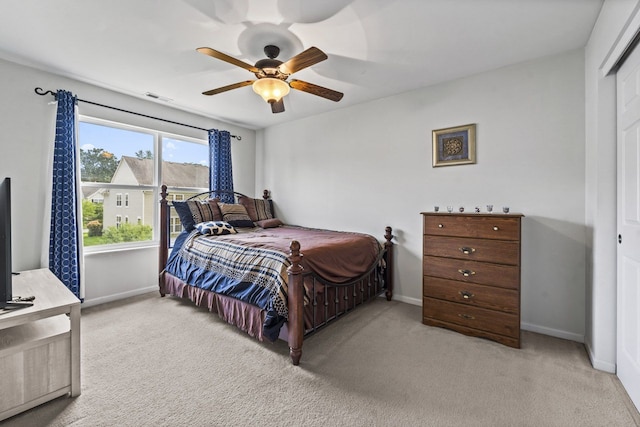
<point x="229" y="87"/>
<point x="316" y="90"/>
<point x="305" y="59"/>
<point x="277" y="106"/>
<point x="226" y="58"/>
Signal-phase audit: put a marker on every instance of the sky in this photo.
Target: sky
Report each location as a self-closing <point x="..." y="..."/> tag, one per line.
<point x="123" y="142"/>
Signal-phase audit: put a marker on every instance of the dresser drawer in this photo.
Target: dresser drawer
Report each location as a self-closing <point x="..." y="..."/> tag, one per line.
<point x="483" y="226"/>
<point x="483" y="273"/>
<point x="507" y="300"/>
<point x="496" y="251"/>
<point x="472" y="317"/>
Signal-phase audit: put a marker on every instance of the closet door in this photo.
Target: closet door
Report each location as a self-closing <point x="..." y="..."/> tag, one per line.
<point x="628" y="254"/>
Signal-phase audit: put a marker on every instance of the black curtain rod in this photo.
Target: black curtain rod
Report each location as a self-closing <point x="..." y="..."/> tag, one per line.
<point x="43" y="92"/>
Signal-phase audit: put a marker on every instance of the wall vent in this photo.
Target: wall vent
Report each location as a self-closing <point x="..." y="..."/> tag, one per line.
<point x="158" y="97"/>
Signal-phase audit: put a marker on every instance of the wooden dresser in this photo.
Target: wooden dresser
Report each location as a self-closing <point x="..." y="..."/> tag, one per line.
<point x="471" y="274"/>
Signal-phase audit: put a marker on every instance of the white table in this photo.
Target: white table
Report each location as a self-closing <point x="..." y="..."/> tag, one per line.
<point x="39" y="345"/>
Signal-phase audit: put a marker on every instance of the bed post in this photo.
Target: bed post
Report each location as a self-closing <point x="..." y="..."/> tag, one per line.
<point x="388" y="245"/>
<point x="164" y="240"/>
<point x="296" y="303"/>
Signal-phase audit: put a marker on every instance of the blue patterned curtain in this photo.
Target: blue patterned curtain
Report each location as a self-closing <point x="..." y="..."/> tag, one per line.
<point x="64" y="245"/>
<point x="220" y="173"/>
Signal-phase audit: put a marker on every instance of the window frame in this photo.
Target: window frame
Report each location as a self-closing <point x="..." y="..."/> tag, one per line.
<point x="158" y="136"/>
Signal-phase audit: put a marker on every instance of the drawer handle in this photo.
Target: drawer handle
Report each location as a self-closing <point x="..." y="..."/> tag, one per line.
<point x="496" y="228"/>
<point x="440" y="226"/>
<point x="467" y="273"/>
<point x="467" y="251"/>
<point x="466" y="294"/>
<point x="466" y="316"/>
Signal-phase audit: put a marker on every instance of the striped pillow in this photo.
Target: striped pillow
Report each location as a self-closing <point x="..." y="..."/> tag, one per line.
<point x="192" y="212"/>
<point x="258" y="209"/>
<point x="235" y="214"/>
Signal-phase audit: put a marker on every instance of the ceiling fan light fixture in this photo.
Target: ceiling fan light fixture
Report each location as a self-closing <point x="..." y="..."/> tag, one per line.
<point x="270" y="89"/>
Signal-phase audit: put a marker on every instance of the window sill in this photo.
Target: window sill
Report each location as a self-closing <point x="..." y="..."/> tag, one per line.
<point x="94" y="250"/>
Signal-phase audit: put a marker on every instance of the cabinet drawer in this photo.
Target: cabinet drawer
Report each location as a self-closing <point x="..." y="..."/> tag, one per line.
<point x="486" y="226"/>
<point x="472" y="317"/>
<point x="36" y="362"/>
<point x="507" y="300"/>
<point x="483" y="273"/>
<point x="496" y="251"/>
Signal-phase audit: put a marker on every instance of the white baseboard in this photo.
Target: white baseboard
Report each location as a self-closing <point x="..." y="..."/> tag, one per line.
<point x="115" y="297"/>
<point x="600" y="365"/>
<point x="571" y="336"/>
<point x="408" y="300"/>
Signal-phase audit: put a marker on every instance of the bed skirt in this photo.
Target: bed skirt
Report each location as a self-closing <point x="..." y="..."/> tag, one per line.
<point x="329" y="303"/>
<point x="244" y="316"/>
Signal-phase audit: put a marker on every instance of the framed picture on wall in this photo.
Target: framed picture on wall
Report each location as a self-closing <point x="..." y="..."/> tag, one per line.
<point x="454" y="146"/>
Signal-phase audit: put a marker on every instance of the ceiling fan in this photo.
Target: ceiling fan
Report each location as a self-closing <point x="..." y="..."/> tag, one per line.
<point x="272" y="75"/>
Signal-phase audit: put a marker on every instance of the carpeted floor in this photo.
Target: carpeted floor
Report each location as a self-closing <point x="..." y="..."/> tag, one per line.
<point x="152" y="361"/>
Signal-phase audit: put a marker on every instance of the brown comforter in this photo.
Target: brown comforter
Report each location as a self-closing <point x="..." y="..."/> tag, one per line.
<point x="335" y="256"/>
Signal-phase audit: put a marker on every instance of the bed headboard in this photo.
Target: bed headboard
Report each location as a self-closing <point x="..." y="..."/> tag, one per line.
<point x="165" y="215"/>
<point x="217" y="193"/>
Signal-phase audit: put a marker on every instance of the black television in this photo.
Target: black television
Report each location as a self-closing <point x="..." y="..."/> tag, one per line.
<point x="6" y="275"/>
<point x="5" y="243"/>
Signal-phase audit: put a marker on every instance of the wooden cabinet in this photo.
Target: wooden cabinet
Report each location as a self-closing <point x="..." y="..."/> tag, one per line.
<point x="39" y="345"/>
<point x="471" y="274"/>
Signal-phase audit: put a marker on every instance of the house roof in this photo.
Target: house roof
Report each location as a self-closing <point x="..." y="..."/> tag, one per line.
<point x="88" y="192"/>
<point x="173" y="174"/>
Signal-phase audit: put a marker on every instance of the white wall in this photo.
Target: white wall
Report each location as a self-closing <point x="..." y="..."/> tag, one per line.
<point x="28" y="122"/>
<point x="612" y="31"/>
<point x="365" y="167"/>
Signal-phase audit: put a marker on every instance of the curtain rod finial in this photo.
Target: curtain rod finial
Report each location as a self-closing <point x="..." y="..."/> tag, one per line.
<point x="43" y="92"/>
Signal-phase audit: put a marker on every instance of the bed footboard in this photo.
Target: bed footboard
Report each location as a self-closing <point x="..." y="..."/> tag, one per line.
<point x="296" y="303"/>
<point x="163" y="251"/>
<point x="336" y="299"/>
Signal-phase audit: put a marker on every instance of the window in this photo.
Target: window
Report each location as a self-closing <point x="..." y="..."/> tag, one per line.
<point x="120" y="166"/>
<point x="191" y="162"/>
<point x="175" y="225"/>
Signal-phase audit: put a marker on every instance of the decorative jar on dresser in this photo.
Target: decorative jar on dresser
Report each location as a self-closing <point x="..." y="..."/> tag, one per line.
<point x="471" y="274"/>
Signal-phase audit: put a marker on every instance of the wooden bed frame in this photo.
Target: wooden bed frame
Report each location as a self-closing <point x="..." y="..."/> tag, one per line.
<point x="377" y="280"/>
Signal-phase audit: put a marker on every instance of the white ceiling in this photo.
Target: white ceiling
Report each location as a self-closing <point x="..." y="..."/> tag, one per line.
<point x="376" y="48"/>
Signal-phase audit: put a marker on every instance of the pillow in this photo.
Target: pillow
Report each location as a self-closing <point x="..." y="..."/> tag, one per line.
<point x="217" y="215"/>
<point x="236" y="215"/>
<point x="269" y="223"/>
<point x="192" y="212"/>
<point x="215" y="228"/>
<point x="258" y="209"/>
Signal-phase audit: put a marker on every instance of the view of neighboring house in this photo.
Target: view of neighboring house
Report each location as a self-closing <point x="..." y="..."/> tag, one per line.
<point x="93" y="195"/>
<point x="136" y="206"/>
